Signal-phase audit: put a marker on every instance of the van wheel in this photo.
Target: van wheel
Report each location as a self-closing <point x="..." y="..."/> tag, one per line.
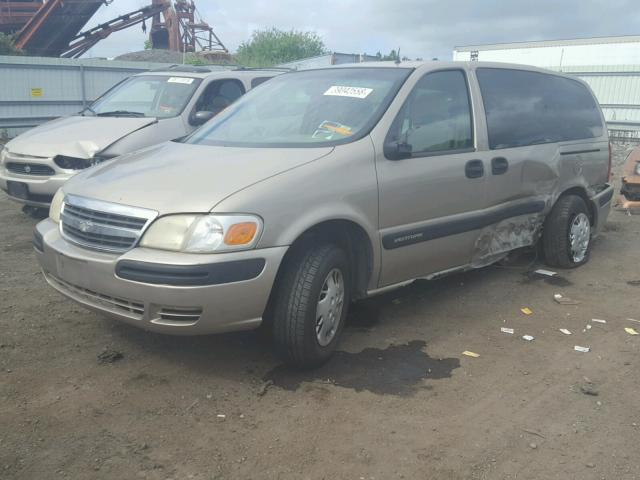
<point x="566" y="237"/>
<point x="311" y="305"/>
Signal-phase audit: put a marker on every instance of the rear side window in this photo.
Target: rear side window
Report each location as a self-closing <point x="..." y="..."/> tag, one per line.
<point x="436" y="116"/>
<point x="529" y="108"/>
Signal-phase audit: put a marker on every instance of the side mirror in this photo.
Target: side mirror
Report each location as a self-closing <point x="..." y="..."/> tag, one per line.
<point x="397" y="150"/>
<point x="201" y="117"/>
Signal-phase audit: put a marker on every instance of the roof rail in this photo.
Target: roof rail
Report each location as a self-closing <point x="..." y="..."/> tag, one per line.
<point x="184" y="68"/>
<point x="275" y="69"/>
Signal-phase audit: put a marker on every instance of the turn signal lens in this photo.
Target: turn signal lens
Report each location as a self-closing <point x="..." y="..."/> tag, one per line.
<point x="241" y="233"/>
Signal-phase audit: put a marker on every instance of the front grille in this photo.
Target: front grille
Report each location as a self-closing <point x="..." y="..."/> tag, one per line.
<point x="98" y="300"/>
<point x="102" y="225"/>
<point x="105" y="218"/>
<point x="117" y="242"/>
<point x="30" y="168"/>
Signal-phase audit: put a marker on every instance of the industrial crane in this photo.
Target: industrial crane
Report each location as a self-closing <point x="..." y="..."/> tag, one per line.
<point x="54" y="28"/>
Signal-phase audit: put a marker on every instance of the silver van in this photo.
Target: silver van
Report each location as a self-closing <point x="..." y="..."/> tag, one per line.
<point x="327" y="186"/>
<point x="145" y="109"/>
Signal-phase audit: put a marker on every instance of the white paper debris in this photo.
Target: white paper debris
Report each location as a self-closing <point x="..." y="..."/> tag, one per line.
<point x="548" y="273"/>
<point x="507" y="330"/>
<point x="565" y="331"/>
<point x="597" y="320"/>
<point x="578" y="348"/>
<point x="528" y="338"/>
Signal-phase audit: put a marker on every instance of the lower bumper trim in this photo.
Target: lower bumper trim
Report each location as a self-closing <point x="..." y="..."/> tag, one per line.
<point x="190" y="275"/>
<point x="38" y="241"/>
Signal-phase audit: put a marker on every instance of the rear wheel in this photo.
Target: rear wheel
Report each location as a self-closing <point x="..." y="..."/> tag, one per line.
<point x="566" y="238"/>
<point x="311" y="304"/>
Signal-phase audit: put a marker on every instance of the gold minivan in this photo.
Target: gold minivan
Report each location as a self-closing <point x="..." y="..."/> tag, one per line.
<point x="326" y="186"/>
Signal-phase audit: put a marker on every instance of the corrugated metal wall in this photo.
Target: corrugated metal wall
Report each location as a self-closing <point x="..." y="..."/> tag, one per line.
<point x="34" y="90"/>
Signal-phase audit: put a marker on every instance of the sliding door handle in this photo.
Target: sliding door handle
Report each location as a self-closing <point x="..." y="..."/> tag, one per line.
<point x="499" y="165"/>
<point x="474" y="169"/>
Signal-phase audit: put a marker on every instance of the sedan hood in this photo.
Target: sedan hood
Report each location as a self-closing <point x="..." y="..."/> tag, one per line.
<point x="75" y="136"/>
<point x="177" y="178"/>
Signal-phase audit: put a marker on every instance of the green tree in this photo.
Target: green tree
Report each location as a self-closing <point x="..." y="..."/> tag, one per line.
<point x="393" y="55"/>
<point x="272" y="46"/>
<point x="7" y="46"/>
<point x="193" y="59"/>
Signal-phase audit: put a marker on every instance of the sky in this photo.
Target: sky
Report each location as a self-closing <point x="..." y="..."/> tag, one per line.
<point x="420" y="28"/>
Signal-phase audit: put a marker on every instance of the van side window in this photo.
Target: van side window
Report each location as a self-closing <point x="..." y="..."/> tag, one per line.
<point x="529" y="108"/>
<point x="218" y="95"/>
<point x="437" y="115"/>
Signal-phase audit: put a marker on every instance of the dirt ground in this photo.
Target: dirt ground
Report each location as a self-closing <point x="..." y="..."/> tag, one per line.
<point x="398" y="401"/>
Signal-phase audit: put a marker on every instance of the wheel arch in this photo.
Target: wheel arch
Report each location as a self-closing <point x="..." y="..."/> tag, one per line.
<point x="581" y="192"/>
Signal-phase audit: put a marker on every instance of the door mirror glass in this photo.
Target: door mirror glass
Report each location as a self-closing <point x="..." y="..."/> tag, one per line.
<point x="202" y="117"/>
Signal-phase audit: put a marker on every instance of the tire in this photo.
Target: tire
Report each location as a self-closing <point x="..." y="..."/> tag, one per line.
<point x="305" y="281"/>
<point x="568" y="215"/>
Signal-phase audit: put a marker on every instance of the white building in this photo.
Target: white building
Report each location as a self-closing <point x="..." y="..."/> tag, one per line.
<point x="610" y="65"/>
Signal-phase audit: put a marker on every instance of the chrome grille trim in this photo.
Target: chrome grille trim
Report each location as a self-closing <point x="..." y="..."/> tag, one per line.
<point x="105" y="226"/>
<point x="98" y="300"/>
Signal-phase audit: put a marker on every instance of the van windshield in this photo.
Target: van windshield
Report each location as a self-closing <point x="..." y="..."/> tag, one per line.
<point x="147" y="96"/>
<point x="306" y="109"/>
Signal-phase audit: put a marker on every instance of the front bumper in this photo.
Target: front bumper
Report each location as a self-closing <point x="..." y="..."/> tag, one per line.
<point x="89" y="277"/>
<point x="41" y="188"/>
<point x="630" y="192"/>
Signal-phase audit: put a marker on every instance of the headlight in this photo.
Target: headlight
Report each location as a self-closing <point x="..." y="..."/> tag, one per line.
<point x="203" y="233"/>
<point x="56" y="206"/>
<point x="3" y="154"/>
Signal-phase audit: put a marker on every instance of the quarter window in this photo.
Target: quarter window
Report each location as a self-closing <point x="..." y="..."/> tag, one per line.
<point x="437" y="115"/>
<point x="529" y="108"/>
<point x="258" y="81"/>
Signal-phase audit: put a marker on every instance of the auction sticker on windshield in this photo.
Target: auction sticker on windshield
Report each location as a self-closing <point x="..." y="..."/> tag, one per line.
<point x="355" y="92"/>
<point x="185" y="80"/>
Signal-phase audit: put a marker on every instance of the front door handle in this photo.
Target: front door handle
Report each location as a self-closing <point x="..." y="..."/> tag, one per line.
<point x="499" y="165"/>
<point x="474" y="169"/>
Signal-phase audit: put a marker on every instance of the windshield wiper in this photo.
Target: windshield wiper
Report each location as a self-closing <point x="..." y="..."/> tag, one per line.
<point x="120" y="113"/>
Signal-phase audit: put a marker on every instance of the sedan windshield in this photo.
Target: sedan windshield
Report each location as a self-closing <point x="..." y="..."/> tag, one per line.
<point x="146" y="96"/>
<point x="306" y="109"/>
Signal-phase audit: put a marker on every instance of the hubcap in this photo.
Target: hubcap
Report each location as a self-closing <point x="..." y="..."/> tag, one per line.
<point x="579" y="237"/>
<point x="329" y="308"/>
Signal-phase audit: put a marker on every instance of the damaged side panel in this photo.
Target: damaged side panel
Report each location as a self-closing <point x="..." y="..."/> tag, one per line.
<point x="497" y="240"/>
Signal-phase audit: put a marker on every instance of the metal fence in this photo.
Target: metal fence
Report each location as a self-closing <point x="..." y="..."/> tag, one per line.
<point x="34" y="90"/>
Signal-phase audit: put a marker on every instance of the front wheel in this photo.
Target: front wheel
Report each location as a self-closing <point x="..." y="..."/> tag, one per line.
<point x="311" y="305"/>
<point x="566" y="237"/>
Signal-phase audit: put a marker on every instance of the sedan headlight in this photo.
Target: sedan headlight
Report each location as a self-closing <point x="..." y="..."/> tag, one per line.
<point x="3" y="154"/>
<point x="203" y="233"/>
<point x="56" y="206"/>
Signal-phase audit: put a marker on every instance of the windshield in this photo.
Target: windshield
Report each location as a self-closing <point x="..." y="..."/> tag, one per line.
<point x="147" y="96"/>
<point x="306" y="109"/>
